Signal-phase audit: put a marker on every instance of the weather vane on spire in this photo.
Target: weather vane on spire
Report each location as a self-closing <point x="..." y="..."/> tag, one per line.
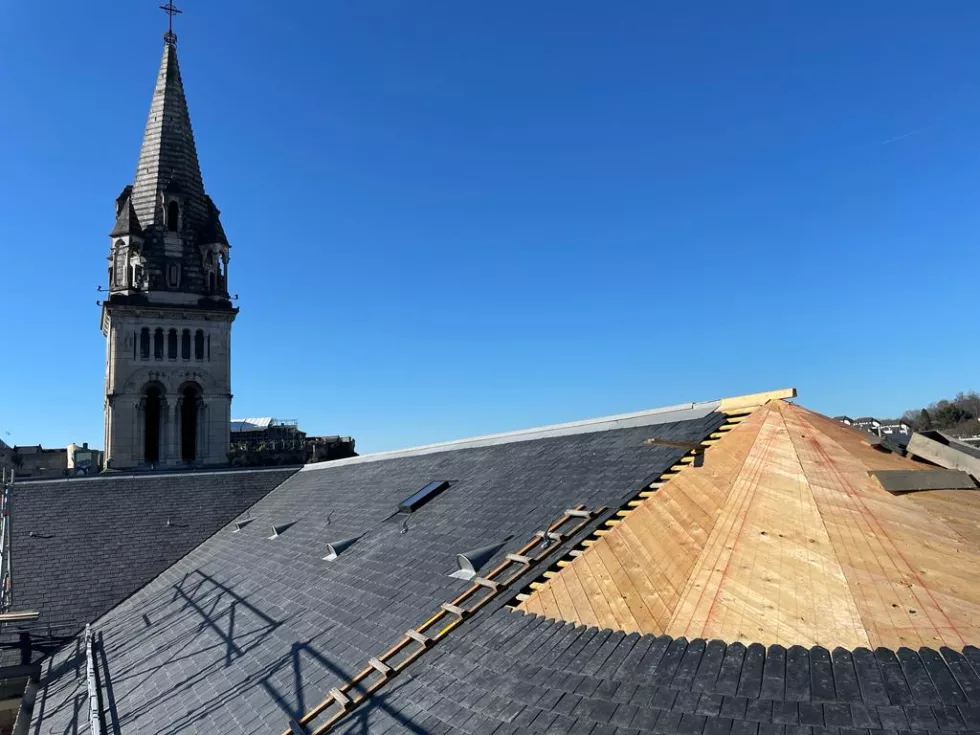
<point x="171" y="10"/>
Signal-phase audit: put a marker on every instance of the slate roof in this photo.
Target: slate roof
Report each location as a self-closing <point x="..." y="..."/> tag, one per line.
<point x="245" y="632"/>
<point x="515" y="673"/>
<point x="84" y="545"/>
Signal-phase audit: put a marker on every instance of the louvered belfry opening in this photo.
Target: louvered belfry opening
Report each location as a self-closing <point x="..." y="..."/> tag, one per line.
<point x="151" y="433"/>
<point x="189" y="400"/>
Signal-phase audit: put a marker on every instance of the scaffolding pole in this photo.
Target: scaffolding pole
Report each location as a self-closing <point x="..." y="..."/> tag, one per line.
<point x="6" y="578"/>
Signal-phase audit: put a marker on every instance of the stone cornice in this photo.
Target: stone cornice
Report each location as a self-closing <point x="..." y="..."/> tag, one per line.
<point x="172" y="312"/>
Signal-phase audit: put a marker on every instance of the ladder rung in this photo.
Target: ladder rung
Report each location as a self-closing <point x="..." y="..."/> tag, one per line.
<point x="550" y="535"/>
<point x="484" y="582"/>
<point x="418" y="637"/>
<point x="340" y="698"/>
<point x="576" y="513"/>
<point x="296" y="729"/>
<point x="519" y="559"/>
<point x="454" y="609"/>
<point x="380" y="666"/>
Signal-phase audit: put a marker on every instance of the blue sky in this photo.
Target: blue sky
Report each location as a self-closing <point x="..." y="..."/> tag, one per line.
<point x="450" y="218"/>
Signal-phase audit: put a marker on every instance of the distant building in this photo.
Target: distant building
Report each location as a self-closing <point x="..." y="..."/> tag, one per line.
<point x="82" y="460"/>
<point x="35" y="462"/>
<point x="876" y="427"/>
<point x="270" y="441"/>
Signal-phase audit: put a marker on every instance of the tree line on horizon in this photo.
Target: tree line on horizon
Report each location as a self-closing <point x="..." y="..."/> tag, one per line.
<point x="959" y="416"/>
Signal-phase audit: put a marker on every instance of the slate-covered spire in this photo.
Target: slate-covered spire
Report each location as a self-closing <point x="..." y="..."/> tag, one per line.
<point x="168" y="157"/>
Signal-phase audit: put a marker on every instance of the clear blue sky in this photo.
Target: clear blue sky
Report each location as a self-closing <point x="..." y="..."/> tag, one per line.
<point x="450" y="218"/>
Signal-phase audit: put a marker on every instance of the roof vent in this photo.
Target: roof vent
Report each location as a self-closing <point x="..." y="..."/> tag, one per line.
<point x="239" y="525"/>
<point x="279" y="530"/>
<point x="338" y="547"/>
<point x="421" y="497"/>
<point x="470" y="561"/>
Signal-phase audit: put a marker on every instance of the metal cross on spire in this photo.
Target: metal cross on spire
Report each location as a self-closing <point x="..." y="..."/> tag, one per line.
<point x="171" y="10"/>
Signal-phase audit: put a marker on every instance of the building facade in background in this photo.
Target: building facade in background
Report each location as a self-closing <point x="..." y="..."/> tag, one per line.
<point x="268" y="441"/>
<point x="168" y="317"/>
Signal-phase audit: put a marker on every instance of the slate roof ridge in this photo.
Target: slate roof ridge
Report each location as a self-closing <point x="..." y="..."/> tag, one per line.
<point x="649" y="417"/>
<point x="133" y="475"/>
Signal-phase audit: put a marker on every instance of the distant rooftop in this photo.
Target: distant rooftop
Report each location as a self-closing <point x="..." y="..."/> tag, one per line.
<point x="259" y="424"/>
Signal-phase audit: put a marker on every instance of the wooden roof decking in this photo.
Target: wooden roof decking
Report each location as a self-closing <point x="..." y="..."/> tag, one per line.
<point x="781" y="536"/>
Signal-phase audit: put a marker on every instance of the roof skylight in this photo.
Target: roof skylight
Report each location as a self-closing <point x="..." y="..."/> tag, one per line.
<point x="419" y="498"/>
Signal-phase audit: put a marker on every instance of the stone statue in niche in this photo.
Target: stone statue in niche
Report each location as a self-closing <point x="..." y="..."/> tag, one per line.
<point x="137" y="265"/>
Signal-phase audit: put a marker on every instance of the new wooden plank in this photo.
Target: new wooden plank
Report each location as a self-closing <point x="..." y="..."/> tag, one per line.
<point x="579" y="595"/>
<point x="952" y="456"/>
<point x="755" y="399"/>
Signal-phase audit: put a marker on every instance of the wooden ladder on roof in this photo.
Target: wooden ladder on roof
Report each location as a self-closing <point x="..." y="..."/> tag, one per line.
<point x="344" y="699"/>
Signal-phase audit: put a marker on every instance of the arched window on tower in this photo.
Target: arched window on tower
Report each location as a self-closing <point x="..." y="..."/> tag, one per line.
<point x="158" y="343"/>
<point x="185" y="344"/>
<point x="145" y="342"/>
<point x="199" y="345"/>
<point x="173" y="216"/>
<point x="172" y="344"/>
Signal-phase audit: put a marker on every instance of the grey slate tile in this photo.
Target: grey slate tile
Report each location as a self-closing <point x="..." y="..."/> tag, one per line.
<point x="758" y="710"/>
<point x="774" y="674"/>
<point x="733" y="707"/>
<point x="920" y="717"/>
<point x="709" y="705"/>
<point x="896" y="688"/>
<point x="750" y="682"/>
<point x="948" y="717"/>
<point x="689" y="665"/>
<point x="893" y="717"/>
<point x="837" y="714"/>
<point x="731" y="669"/>
<point x="811" y="713"/>
<point x="942" y="678"/>
<point x="966" y="677"/>
<point x="785" y="713"/>
<point x="923" y="690"/>
<point x="710" y="667"/>
<point x="718" y="726"/>
<point x="670" y="662"/>
<point x="845" y="677"/>
<point x="743" y="727"/>
<point x="686" y="702"/>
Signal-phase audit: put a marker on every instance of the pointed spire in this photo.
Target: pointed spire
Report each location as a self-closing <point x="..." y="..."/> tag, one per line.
<point x="168" y="157"/>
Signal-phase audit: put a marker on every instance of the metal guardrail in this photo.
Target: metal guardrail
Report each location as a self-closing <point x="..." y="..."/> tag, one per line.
<point x="95" y="716"/>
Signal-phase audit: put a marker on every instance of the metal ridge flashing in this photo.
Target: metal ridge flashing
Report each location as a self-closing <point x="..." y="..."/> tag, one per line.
<point x="680" y="412"/>
<point x="128" y="475"/>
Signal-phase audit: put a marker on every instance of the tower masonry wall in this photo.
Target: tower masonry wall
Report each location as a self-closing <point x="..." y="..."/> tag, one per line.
<point x="131" y="370"/>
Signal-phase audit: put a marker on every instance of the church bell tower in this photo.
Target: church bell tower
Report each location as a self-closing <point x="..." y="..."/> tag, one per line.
<point x="167" y="319"/>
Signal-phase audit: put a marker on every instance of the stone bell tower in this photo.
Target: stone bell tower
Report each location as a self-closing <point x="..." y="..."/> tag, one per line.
<point x="167" y="319"/>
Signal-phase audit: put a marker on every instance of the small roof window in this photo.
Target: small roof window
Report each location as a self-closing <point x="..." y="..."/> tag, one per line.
<point x="422" y="496"/>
